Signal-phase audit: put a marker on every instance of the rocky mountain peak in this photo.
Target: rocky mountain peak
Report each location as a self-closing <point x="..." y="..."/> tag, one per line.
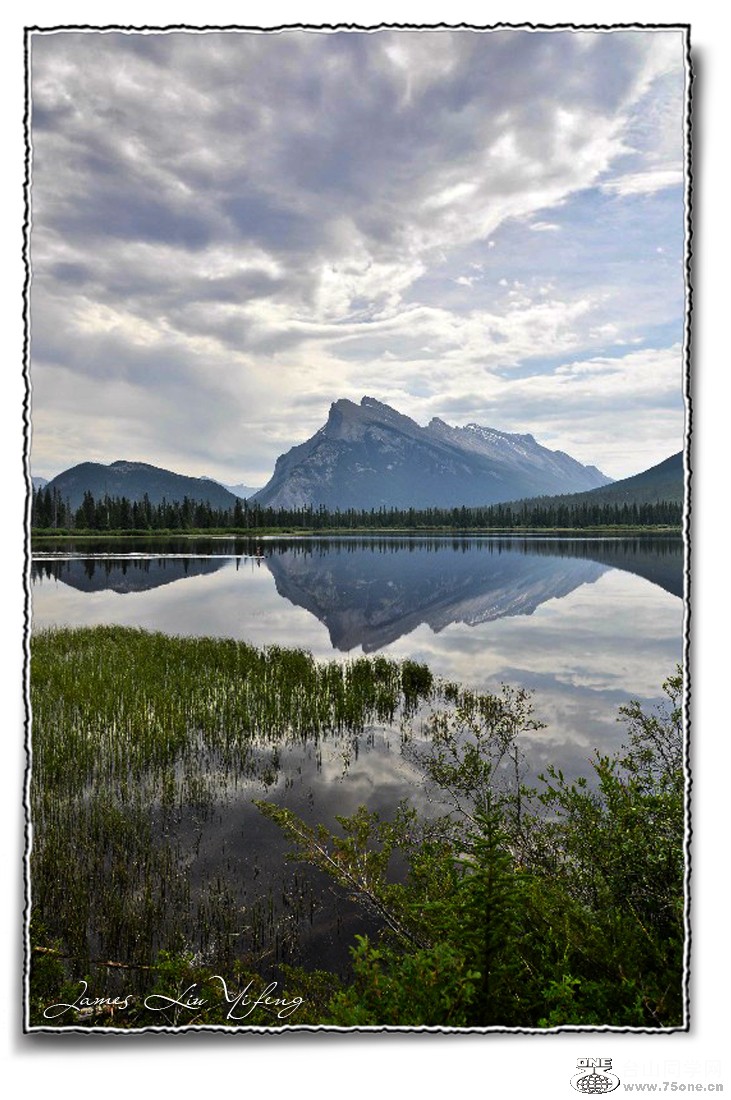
<point x="370" y="455"/>
<point x="348" y="421"/>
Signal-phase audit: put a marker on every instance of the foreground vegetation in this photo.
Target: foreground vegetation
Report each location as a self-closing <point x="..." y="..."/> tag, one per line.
<point x="562" y="906"/>
<point x="506" y="907"/>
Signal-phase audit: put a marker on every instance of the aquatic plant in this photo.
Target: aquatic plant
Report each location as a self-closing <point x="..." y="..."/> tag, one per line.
<point x="142" y="747"/>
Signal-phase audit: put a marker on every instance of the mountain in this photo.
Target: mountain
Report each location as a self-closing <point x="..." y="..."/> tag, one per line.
<point x="370" y="455"/>
<point x="664" y="482"/>
<point x="39" y="482"/>
<point x="244" y="492"/>
<point x="133" y="480"/>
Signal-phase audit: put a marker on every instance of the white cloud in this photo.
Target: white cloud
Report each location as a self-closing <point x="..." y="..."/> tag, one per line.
<point x="224" y="224"/>
<point x="644" y="183"/>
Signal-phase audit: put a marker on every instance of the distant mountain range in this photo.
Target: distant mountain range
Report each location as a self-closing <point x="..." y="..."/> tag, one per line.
<point x="244" y="492"/>
<point x="133" y="480"/>
<point x="370" y="455"/>
<point x="662" y="482"/>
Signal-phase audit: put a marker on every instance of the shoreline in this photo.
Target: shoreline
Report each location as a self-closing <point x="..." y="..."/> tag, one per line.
<point x="299" y="532"/>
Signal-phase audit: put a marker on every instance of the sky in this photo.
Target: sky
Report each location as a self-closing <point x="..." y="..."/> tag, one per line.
<point x="230" y="231"/>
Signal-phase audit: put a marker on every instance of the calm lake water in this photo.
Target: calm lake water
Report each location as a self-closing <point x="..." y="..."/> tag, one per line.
<point x="585" y="624"/>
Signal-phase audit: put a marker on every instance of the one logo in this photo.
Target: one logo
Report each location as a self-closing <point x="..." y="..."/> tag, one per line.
<point x="594" y="1076"/>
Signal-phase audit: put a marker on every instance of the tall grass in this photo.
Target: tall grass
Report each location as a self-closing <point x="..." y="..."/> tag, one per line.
<point x="140" y="744"/>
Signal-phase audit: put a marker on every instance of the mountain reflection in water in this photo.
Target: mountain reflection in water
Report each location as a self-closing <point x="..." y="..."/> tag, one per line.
<point x="371" y="598"/>
<point x="371" y="592"/>
<point x="122" y="575"/>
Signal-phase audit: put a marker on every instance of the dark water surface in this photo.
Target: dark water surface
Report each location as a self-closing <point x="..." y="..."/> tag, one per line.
<point x="586" y="624"/>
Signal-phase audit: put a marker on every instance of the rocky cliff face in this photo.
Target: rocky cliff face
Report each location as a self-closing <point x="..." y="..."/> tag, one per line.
<point x="370" y="455"/>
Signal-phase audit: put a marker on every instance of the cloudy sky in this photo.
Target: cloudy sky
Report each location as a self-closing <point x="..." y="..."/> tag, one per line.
<point x="232" y="230"/>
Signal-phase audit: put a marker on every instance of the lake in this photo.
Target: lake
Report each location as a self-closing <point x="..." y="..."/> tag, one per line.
<point x="585" y="624"/>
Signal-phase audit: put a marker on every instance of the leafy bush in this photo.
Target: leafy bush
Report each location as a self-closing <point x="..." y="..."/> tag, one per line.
<point x="519" y="908"/>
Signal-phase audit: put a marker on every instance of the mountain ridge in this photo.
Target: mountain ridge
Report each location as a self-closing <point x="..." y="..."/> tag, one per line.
<point x="370" y="455"/>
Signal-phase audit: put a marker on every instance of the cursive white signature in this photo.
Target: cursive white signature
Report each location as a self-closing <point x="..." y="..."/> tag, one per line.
<point x="84" y="1004"/>
<point x="280" y="1006"/>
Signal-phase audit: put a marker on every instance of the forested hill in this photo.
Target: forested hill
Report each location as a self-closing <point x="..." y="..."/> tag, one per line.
<point x="135" y="481"/>
<point x="664" y="482"/>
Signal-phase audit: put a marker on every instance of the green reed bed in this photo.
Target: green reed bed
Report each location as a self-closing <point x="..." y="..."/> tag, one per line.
<point x="138" y="739"/>
<point x="116" y="700"/>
